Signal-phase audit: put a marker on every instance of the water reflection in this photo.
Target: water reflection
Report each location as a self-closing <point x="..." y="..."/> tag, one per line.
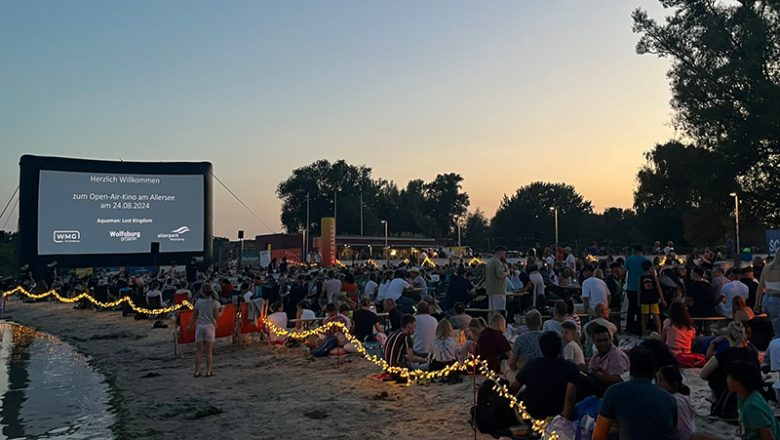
<point x="48" y="389"/>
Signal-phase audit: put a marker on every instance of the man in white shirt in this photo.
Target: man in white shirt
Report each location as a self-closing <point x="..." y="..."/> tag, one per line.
<point x="718" y="279"/>
<point x="731" y="290"/>
<point x="397" y="287"/>
<point x="424" y="331"/>
<point x="331" y="287"/>
<point x="371" y="287"/>
<point x="570" y="261"/>
<point x="669" y="248"/>
<point x="594" y="290"/>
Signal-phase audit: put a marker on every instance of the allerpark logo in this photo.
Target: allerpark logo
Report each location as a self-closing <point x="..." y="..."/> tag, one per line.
<point x="176" y="234"/>
<point x="125" y="235"/>
<point x="67" y="237"/>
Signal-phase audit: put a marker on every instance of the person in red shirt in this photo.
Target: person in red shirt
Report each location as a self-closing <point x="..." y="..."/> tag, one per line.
<point x="492" y="345"/>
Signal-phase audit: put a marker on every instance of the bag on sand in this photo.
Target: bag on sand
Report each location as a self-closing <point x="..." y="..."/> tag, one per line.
<point x="494" y="415"/>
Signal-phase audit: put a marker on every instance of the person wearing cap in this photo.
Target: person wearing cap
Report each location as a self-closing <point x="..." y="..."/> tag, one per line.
<point x="495" y="281"/>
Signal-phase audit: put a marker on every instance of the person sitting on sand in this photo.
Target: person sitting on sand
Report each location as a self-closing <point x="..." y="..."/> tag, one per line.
<point x="572" y="351"/>
<point x="678" y="332"/>
<point x="367" y="325"/>
<point x="471" y="334"/>
<point x="550" y="382"/>
<point x="714" y="371"/>
<point x="559" y="315"/>
<point x="607" y="365"/>
<point x="393" y="314"/>
<point x="641" y="409"/>
<point x="460" y="320"/>
<point x="205" y="315"/>
<point x="742" y="312"/>
<point x="279" y="319"/>
<point x="425" y="330"/>
<point x="399" y="348"/>
<point x="526" y="346"/>
<point x="302" y="312"/>
<point x="492" y="345"/>
<point x="756" y="418"/>
<point x="444" y="349"/>
<point x="670" y="379"/>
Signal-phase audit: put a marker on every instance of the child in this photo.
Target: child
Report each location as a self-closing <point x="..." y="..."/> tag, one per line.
<point x="670" y="379"/>
<point x="756" y="418"/>
<point x="572" y="351"/>
<point x="649" y="296"/>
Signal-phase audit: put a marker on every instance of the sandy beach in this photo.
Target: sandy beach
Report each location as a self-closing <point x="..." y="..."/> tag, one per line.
<point x="258" y="392"/>
<point x="261" y="391"/>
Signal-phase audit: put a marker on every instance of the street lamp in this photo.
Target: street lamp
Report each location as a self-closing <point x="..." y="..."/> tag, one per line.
<point x="458" y="222"/>
<point x="554" y="209"/>
<point x="736" y="218"/>
<point x="387" y="261"/>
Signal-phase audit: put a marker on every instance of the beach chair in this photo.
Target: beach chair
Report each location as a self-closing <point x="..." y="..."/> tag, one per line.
<point x="180" y="334"/>
<point x="226" y="327"/>
<point x="247" y="327"/>
<point x="179" y="297"/>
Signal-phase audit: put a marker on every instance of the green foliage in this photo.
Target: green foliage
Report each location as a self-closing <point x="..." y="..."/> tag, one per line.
<point x="420" y="208"/>
<point x="9" y="253"/>
<point x="527" y="213"/>
<point x="725" y="82"/>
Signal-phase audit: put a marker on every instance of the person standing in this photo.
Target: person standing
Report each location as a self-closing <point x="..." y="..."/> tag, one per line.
<point x="769" y="286"/>
<point x="495" y="282"/>
<point x="633" y="272"/>
<point x="205" y="315"/>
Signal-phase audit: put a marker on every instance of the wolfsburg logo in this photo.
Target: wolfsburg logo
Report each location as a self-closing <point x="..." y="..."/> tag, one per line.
<point x="67" y="237"/>
<point x="125" y="235"/>
<point x="174" y="235"/>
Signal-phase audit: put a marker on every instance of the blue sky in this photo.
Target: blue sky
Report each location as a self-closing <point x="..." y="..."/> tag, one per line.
<point x="502" y="92"/>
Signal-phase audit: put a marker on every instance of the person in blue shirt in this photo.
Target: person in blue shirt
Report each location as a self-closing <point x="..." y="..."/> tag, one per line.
<point x="633" y="272"/>
<point x="642" y="410"/>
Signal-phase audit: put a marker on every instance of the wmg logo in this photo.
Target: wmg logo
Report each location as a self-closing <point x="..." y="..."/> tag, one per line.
<point x="67" y="236"/>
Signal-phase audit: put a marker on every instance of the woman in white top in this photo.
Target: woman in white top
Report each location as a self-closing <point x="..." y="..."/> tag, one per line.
<point x="769" y="290"/>
<point x="371" y="288"/>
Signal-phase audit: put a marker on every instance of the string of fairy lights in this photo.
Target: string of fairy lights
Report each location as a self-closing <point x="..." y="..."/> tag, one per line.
<point x="473" y="363"/>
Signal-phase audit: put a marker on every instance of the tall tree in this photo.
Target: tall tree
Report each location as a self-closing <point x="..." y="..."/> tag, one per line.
<point x="725" y="82"/>
<point x="323" y="181"/>
<point x="445" y="202"/>
<point x="683" y="194"/>
<point x="476" y="231"/>
<point x="527" y="213"/>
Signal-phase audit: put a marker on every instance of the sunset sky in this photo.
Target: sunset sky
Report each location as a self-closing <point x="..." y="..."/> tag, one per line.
<point x="502" y="92"/>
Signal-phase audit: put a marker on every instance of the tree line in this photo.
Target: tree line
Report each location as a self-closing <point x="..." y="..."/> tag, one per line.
<point x="725" y="84"/>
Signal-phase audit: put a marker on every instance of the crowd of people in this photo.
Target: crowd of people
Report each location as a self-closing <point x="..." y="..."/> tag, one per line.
<point x="561" y="329"/>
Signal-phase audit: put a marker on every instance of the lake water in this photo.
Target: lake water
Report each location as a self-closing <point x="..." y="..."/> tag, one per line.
<point x="48" y="390"/>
